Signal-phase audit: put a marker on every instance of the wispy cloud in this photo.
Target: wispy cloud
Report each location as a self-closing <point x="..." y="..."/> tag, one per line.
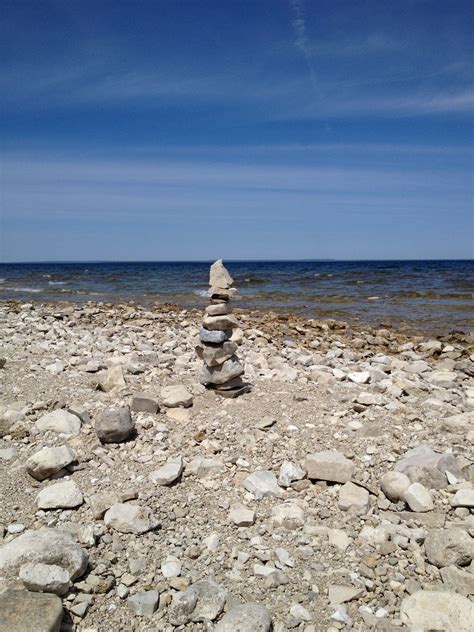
<point x="302" y="43"/>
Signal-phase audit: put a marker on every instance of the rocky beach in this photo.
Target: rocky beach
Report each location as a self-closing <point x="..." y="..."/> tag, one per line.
<point x="335" y="494"/>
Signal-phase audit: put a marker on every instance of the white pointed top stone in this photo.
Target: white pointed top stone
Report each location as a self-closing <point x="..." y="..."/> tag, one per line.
<point x="219" y="277"/>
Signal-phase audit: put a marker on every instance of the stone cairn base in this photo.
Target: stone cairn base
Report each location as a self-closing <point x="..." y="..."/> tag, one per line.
<point x="222" y="369"/>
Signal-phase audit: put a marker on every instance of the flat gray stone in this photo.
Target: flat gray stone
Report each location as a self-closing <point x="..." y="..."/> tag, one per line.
<point x="458" y="580"/>
<point x="224" y="322"/>
<point x="144" y="603"/>
<point x="168" y="473"/>
<point x="23" y="611"/>
<point x="289" y="473"/>
<point x="329" y="465"/>
<point x="427" y="610"/>
<point x="144" y="403"/>
<point x="249" y="617"/>
<point x="128" y="518"/>
<point x="176" y="396"/>
<point x="241" y="515"/>
<point x="463" y="498"/>
<point x="222" y="373"/>
<point x="215" y="337"/>
<point x="263" y="483"/>
<point x="63" y="495"/>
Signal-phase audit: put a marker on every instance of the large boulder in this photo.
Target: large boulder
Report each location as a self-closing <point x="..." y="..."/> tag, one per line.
<point x="444" y="547"/>
<point x="23" y="611"/>
<point x="44" y="546"/>
<point x="429" y="610"/>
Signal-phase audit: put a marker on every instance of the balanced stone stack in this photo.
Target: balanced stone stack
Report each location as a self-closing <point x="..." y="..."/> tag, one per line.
<point x="222" y="369"/>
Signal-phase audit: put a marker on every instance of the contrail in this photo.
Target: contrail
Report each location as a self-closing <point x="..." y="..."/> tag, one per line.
<point x="301" y="42"/>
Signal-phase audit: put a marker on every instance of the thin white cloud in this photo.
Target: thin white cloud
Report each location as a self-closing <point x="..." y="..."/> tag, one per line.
<point x="301" y="39"/>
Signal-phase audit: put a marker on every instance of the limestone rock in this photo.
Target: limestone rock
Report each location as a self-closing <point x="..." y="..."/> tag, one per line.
<point x="114" y="425"/>
<point x="288" y="515"/>
<point x="218" y="309"/>
<point x="463" y="498"/>
<point x="289" y="473"/>
<point x="100" y="502"/>
<point x="202" y="601"/>
<point x="262" y="483"/>
<point x="418" y="498"/>
<point x="23" y="611"/>
<point x="169" y="472"/>
<point x="458" y="580"/>
<point x="394" y="485"/>
<point x="213" y="355"/>
<point x="144" y="403"/>
<point x="127" y="518"/>
<point x="249" y="617"/>
<point x="44" y="546"/>
<point x="112" y="379"/>
<point x="329" y="465"/>
<point x="225" y="322"/>
<point x="222" y="373"/>
<point x="428" y="610"/>
<point x="241" y="515"/>
<point x="341" y="594"/>
<point x="59" y="421"/>
<point x="49" y="461"/>
<point x="444" y="547"/>
<point x="63" y="495"/>
<point x="176" y="396"/>
<point x="353" y="498"/>
<point x="48" y="578"/>
<point x="144" y="603"/>
<point x="219" y="276"/>
<point x="422" y="455"/>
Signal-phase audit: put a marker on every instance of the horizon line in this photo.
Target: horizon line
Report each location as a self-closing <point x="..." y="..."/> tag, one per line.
<point x="230" y="260"/>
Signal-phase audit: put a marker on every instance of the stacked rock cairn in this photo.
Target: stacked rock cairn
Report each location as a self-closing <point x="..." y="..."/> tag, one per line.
<point x="222" y="369"/>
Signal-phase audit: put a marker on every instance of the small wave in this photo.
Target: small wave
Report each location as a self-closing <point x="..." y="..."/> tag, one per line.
<point x="32" y="290"/>
<point x="2" y="280"/>
<point x="58" y="282"/>
<point x="204" y="293"/>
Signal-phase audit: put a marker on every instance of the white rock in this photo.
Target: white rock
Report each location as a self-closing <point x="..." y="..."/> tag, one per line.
<point x="219" y="276"/>
<point x="290" y="472"/>
<point x="361" y="377"/>
<point x="353" y="498"/>
<point x="171" y="568"/>
<point x="289" y="515"/>
<point x="49" y="461"/>
<point x="463" y="498"/>
<point x="176" y="396"/>
<point x="112" y="379"/>
<point x="249" y="617"/>
<point x="427" y="610"/>
<point x="45" y="578"/>
<point x="44" y="546"/>
<point x="63" y="495"/>
<point x="169" y="472"/>
<point x="418" y="498"/>
<point x="59" y="421"/>
<point x="262" y="483"/>
<point x="329" y="465"/>
<point x="241" y="515"/>
<point x="128" y="518"/>
<point x="394" y="485"/>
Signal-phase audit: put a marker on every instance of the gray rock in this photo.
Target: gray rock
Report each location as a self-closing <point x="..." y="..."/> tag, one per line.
<point x="127" y="518"/>
<point x="203" y="601"/>
<point x="422" y="455"/>
<point x="418" y="498"/>
<point x="49" y="461"/>
<point x="176" y="396"/>
<point x="463" y="498"/>
<point x="288" y="515"/>
<point x="219" y="276"/>
<point x="460" y="422"/>
<point x="8" y="454"/>
<point x="353" y="498"/>
<point x="205" y="468"/>
<point x="214" y="355"/>
<point x="44" y="546"/>
<point x="63" y="495"/>
<point x="446" y="547"/>
<point x="329" y="465"/>
<point x="262" y="483"/>
<point x="341" y="594"/>
<point x="144" y="403"/>
<point x="427" y="610"/>
<point x="218" y="309"/>
<point x="222" y="373"/>
<point x="458" y="580"/>
<point x="59" y="421"/>
<point x="215" y="337"/>
<point x="289" y="473"/>
<point x="241" y="515"/>
<point x="45" y="578"/>
<point x="23" y="611"/>
<point x="429" y="476"/>
<point x="169" y="472"/>
<point x="100" y="502"/>
<point x="394" y="485"/>
<point x="144" y="603"/>
<point x="114" y="425"/>
<point x="225" y="322"/>
<point x="249" y="617"/>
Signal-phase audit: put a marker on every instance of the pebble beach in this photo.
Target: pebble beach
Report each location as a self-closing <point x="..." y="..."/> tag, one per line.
<point x="335" y="493"/>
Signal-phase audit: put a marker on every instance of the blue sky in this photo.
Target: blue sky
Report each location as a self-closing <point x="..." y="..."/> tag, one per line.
<point x="153" y="130"/>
